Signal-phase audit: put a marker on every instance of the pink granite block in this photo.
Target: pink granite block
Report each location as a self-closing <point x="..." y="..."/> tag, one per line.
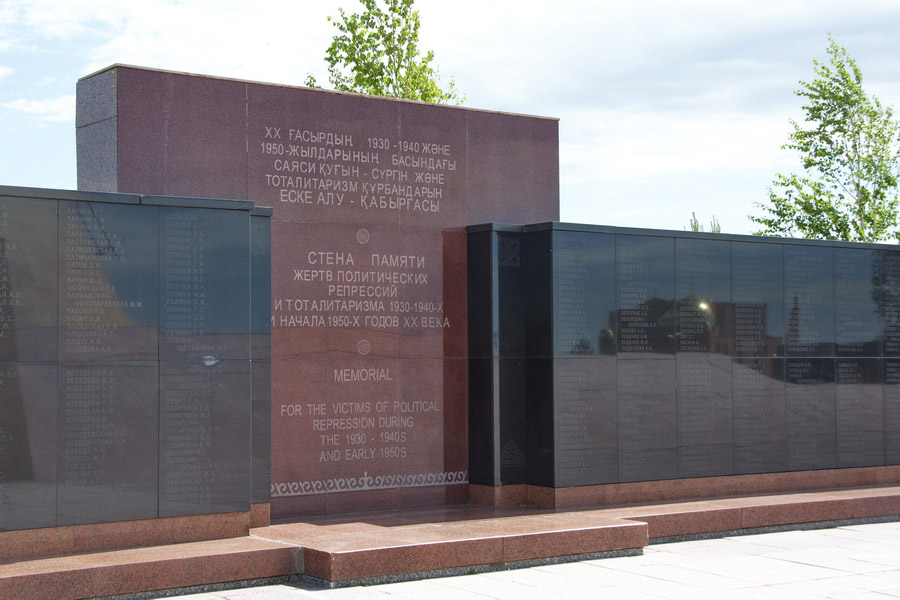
<point x="60" y="585"/>
<point x="196" y="528"/>
<point x="576" y="541"/>
<point x="795" y="512"/>
<point x="412" y="558"/>
<point x="260" y="514"/>
<point x="28" y="544"/>
<point x="692" y="522"/>
<point x="123" y="534"/>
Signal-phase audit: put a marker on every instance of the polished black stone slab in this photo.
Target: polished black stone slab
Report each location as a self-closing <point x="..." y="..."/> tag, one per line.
<point x="107" y="442"/>
<point x="483" y="300"/>
<point x="810" y="413"/>
<point x="108" y="294"/>
<point x="261" y="430"/>
<point x="776" y="348"/>
<point x="520" y="457"/>
<point x="204" y="437"/>
<point x="757" y="287"/>
<point x="858" y="318"/>
<point x="809" y="300"/>
<point x="860" y="412"/>
<point x="261" y="352"/>
<point x="586" y="421"/>
<point x="703" y="296"/>
<point x="204" y="274"/>
<point x="27" y="445"/>
<point x="888" y="298"/>
<point x="648" y="447"/>
<point x="513" y="280"/>
<point x="484" y="460"/>
<point x="28" y="279"/>
<point x="759" y="415"/>
<point x="645" y="288"/>
<point x="891" y="396"/>
<point x="584" y="294"/>
<point x="704" y="415"/>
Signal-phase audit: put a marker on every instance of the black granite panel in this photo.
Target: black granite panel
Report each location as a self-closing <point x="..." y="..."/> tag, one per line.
<point x="858" y="321"/>
<point x="261" y="351"/>
<point x="757" y="287"/>
<point x="540" y="294"/>
<point x="261" y="287"/>
<point x="645" y="288"/>
<point x="705" y="438"/>
<point x="585" y="418"/>
<point x="759" y="415"/>
<point x="810" y="414"/>
<point x="107" y="442"/>
<point x="204" y="299"/>
<point x="514" y="293"/>
<point x="204" y="437"/>
<point x="108" y="282"/>
<point x="27" y="445"/>
<point x="891" y="394"/>
<point x="519" y="463"/>
<point x="28" y="279"/>
<point x="647" y="421"/>
<point x="262" y="430"/>
<point x="809" y="300"/>
<point x="887" y="298"/>
<point x="584" y="293"/>
<point x="860" y="412"/>
<point x="703" y="293"/>
<point x="484" y="467"/>
<point x="482" y="297"/>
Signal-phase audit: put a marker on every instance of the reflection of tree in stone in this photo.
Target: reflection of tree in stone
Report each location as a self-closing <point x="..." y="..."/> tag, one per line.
<point x="582" y="346"/>
<point x="886" y="296"/>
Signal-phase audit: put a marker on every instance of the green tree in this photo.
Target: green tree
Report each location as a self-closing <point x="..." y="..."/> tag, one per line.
<point x="696" y="225"/>
<point x="850" y="149"/>
<point x="376" y="52"/>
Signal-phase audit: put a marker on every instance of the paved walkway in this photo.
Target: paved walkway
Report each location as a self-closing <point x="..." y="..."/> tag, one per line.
<point x="856" y="561"/>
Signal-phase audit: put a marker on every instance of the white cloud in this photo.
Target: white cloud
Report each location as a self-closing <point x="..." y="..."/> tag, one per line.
<point x="6" y="72"/>
<point x="54" y="109"/>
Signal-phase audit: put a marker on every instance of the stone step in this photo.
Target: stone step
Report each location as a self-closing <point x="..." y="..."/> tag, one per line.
<point x="385" y="546"/>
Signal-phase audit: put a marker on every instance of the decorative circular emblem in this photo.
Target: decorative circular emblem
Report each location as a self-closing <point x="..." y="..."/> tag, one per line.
<point x="362" y="236"/>
<point x="363" y="347"/>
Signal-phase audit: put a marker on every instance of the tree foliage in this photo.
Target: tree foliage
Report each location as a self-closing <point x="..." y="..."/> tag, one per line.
<point x="850" y="149"/>
<point x="376" y="52"/>
<point x="696" y="225"/>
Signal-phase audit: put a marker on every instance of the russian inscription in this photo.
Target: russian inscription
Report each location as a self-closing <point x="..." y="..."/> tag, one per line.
<point x="107" y="443"/>
<point x="758" y="294"/>
<point x="809" y="300"/>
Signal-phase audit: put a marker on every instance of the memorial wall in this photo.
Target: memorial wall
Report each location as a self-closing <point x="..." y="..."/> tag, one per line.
<point x="371" y="197"/>
<point x="605" y="355"/>
<point x="130" y="387"/>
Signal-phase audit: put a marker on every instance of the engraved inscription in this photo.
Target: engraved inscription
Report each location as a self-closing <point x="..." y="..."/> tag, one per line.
<point x="758" y="399"/>
<point x="757" y="288"/>
<point x="337" y="170"/>
<point x="93" y="308"/>
<point x="362" y="290"/>
<point x="860" y="429"/>
<point x="810" y="414"/>
<point x="184" y="284"/>
<point x="809" y="300"/>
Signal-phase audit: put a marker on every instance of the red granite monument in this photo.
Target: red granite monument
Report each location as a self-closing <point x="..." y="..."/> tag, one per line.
<point x="371" y="197"/>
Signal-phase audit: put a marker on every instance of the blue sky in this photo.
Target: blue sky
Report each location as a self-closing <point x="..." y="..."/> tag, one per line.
<point x="665" y="107"/>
